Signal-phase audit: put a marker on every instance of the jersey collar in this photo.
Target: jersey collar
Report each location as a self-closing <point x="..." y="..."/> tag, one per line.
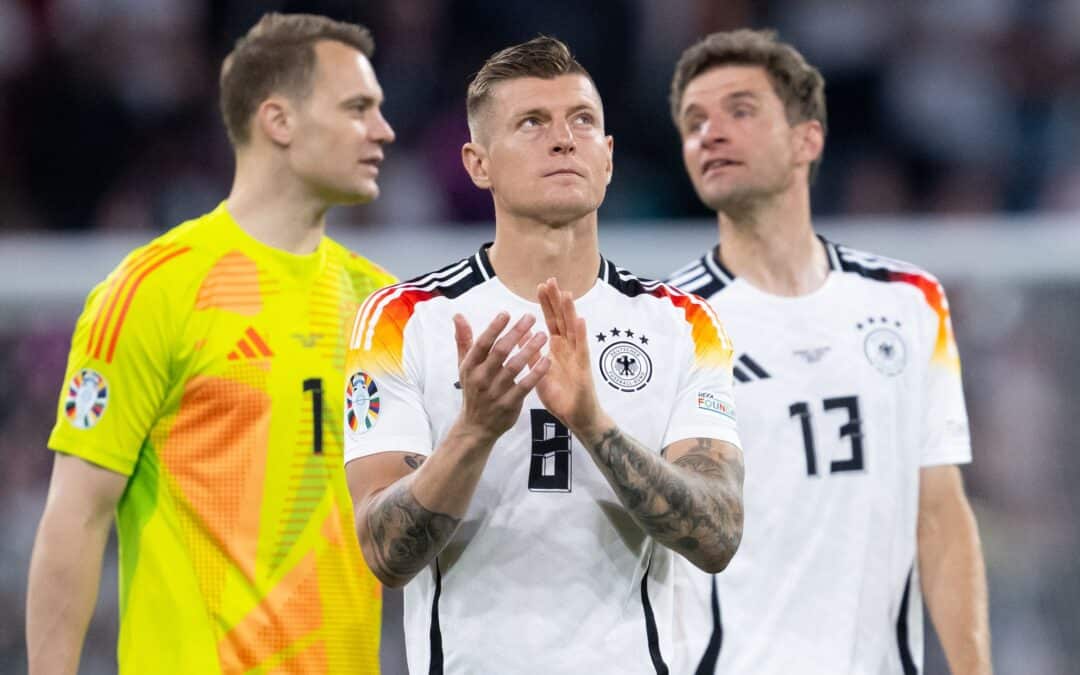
<point x="482" y="261"/>
<point x="722" y="274"/>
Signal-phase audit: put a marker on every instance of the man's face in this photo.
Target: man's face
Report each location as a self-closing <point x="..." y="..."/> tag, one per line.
<point x="542" y="150"/>
<point x="738" y="146"/>
<point x="339" y="134"/>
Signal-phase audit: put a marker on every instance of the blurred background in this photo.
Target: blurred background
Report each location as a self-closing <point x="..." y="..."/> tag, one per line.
<point x="954" y="143"/>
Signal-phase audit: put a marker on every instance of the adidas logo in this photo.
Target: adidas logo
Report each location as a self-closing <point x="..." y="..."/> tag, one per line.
<point x="251" y="346"/>
<point x="748" y="369"/>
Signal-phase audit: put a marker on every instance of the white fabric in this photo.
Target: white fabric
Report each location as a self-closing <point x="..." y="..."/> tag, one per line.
<point x="817" y="583"/>
<point x="545" y="581"/>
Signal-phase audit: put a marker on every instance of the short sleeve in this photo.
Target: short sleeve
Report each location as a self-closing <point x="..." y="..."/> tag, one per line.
<point x="704" y="405"/>
<point x="118" y="368"/>
<point x="384" y="408"/>
<point x="946" y="437"/>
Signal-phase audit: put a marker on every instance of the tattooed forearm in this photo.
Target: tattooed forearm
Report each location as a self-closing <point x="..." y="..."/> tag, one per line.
<point x="693" y="505"/>
<point x="404" y="537"/>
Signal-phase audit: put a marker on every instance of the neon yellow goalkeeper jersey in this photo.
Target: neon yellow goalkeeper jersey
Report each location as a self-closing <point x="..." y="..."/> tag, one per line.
<point x="207" y="368"/>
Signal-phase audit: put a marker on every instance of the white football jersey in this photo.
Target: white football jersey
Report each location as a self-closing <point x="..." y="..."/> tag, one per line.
<point x="844" y="394"/>
<point x="547" y="573"/>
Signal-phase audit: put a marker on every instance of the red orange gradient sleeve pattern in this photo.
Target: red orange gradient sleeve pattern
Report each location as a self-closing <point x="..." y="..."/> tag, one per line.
<point x="384" y="403"/>
<point x="705" y="405"/>
<point x="944" y="353"/>
<point x="946" y="439"/>
<point x="122" y="339"/>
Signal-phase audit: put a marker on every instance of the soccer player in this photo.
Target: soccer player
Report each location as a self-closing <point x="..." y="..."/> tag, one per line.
<point x="533" y="498"/>
<point x="200" y="404"/>
<point x="848" y="383"/>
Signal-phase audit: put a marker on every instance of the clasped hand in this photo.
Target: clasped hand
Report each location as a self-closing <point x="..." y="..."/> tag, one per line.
<point x="489" y="368"/>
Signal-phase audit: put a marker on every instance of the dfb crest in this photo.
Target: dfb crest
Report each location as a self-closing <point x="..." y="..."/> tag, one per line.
<point x="624" y="364"/>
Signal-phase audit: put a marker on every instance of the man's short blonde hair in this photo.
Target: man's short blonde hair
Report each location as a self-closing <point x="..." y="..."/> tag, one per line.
<point x="543" y="57"/>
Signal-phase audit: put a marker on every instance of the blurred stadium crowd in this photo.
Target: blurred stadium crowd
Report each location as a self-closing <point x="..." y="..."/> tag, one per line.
<point x="108" y="114"/>
<point x="109" y="122"/>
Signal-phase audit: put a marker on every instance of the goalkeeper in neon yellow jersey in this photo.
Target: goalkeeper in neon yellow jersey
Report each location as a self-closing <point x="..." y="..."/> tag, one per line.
<point x="201" y="398"/>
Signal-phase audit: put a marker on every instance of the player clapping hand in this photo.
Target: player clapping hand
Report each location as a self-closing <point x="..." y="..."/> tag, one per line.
<point x="491" y="393"/>
<point x="568" y="391"/>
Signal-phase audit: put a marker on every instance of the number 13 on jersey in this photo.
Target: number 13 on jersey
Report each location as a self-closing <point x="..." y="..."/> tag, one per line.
<point x="852" y="430"/>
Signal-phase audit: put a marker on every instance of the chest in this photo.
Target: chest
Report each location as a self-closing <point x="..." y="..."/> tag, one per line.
<point x="828" y="388"/>
<point x="289" y="348"/>
<point x="636" y="361"/>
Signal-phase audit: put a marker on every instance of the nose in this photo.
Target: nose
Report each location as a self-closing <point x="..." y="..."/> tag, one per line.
<point x="714" y="132"/>
<point x="381" y="131"/>
<point x="562" y="142"/>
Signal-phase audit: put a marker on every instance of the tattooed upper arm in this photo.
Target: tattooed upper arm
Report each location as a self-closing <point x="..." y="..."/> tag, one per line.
<point x="709" y="457"/>
<point x="403" y="536"/>
<point x="367" y="476"/>
<point x="397" y="535"/>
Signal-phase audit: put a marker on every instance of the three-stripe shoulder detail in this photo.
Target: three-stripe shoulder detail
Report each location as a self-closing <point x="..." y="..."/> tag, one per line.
<point x="889" y="270"/>
<point x="114" y="305"/>
<point x="872" y="266"/>
<point x="693" y="306"/>
<point x="703" y="277"/>
<point x="449" y="282"/>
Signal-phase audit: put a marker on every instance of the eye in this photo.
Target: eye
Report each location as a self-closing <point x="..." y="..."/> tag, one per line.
<point x="585" y="118"/>
<point x="530" y="123"/>
<point x="742" y="112"/>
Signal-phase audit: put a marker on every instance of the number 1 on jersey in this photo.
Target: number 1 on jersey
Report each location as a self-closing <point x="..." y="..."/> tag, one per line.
<point x="314" y="385"/>
<point x="550" y="467"/>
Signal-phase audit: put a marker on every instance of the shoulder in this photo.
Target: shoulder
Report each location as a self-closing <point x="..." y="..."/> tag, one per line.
<point x="393" y="307"/>
<point x="143" y="293"/>
<point x="898" y="274"/>
<point x="691" y="308"/>
<point x="359" y="267"/>
<point x="187" y="250"/>
<point x="703" y="276"/>
<point x="160" y="266"/>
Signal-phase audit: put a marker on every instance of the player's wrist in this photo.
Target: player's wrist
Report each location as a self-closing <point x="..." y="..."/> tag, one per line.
<point x="590" y="428"/>
<point x="471" y="436"/>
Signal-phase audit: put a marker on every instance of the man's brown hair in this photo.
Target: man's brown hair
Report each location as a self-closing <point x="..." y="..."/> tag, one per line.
<point x="278" y="56"/>
<point x="543" y="57"/>
<point x="800" y="86"/>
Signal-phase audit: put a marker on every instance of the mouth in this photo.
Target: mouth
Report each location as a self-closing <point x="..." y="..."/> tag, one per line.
<point x="563" y="172"/>
<point x="373" y="162"/>
<point x="718" y="164"/>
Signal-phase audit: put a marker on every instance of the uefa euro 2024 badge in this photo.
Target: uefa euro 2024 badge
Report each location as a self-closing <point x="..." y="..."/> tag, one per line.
<point x="884" y="346"/>
<point x="361" y="404"/>
<point x="86" y="400"/>
<point x="624" y="363"/>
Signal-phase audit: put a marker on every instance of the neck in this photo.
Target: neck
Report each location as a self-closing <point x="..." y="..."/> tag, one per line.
<point x="772" y="245"/>
<point x="527" y="252"/>
<point x="272" y="206"/>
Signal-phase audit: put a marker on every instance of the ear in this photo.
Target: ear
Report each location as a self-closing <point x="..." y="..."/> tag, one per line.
<point x="809" y="141"/>
<point x="474" y="158"/>
<point x="276" y="119"/>
<point x="610" y="169"/>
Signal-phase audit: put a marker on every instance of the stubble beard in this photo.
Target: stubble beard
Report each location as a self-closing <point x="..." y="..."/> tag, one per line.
<point x="742" y="202"/>
<point x="558" y="213"/>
